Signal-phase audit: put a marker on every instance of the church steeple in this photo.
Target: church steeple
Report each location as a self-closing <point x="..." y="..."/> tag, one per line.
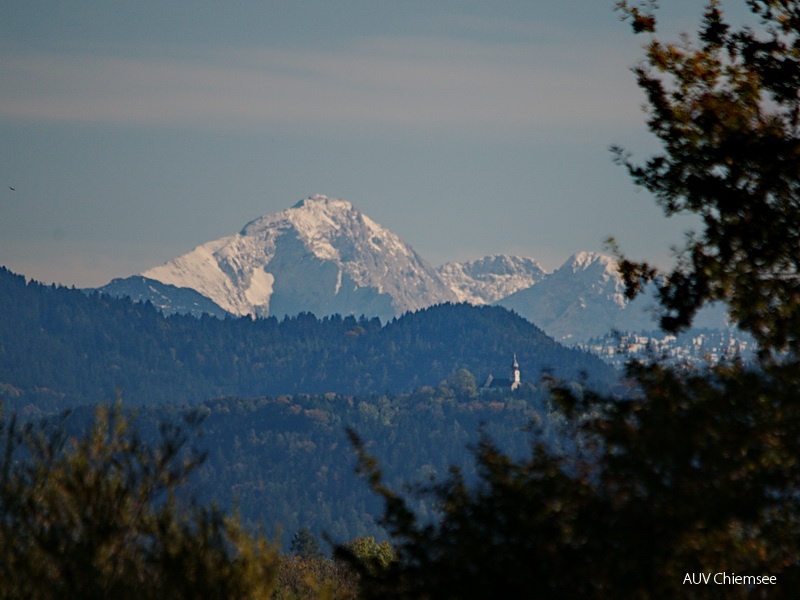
<point x="502" y="383"/>
<point x="515" y="378"/>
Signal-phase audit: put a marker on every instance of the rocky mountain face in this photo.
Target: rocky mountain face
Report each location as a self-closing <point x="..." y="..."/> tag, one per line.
<point x="581" y="299"/>
<point x="167" y="298"/>
<point x="491" y="278"/>
<point x="321" y="256"/>
<point x="324" y="256"/>
<point x="584" y="299"/>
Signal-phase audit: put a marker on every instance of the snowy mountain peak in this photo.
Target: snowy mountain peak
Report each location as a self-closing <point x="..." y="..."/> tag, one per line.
<point x="324" y="256"/>
<point x="316" y="213"/>
<point x="583" y="261"/>
<point x="583" y="298"/>
<point x="491" y="278"/>
<point x="321" y="200"/>
<point x="321" y="255"/>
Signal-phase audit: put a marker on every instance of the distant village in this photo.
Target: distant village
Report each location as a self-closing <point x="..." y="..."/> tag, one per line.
<point x="698" y="347"/>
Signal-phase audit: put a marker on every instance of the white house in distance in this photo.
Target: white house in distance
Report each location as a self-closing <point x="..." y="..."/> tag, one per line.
<point x="512" y="384"/>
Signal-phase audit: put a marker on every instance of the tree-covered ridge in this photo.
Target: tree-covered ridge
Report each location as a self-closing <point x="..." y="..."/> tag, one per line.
<point x="99" y="497"/>
<point x="60" y="348"/>
<point x="696" y="472"/>
<point x="286" y="462"/>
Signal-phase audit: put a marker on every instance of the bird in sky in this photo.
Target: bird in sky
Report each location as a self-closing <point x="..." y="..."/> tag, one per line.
<point x="12" y="189"/>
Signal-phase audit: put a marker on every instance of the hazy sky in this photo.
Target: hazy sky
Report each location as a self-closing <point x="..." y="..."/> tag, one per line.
<point x="134" y="131"/>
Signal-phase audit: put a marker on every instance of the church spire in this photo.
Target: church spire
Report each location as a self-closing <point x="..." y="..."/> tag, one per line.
<point x="515" y="377"/>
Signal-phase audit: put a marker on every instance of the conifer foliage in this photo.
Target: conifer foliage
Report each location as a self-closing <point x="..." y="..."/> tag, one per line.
<point x="98" y="516"/>
<point x="725" y="107"/>
<point x="692" y="472"/>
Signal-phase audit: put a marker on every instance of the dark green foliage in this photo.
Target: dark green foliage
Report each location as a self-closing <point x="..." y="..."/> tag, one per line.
<point x="286" y="462"/>
<point x="708" y="465"/>
<point x="696" y="475"/>
<point x="692" y="472"/>
<point x="305" y="544"/>
<point x="60" y="348"/>
<point x="97" y="516"/>
<point x="515" y="532"/>
<point x="726" y="109"/>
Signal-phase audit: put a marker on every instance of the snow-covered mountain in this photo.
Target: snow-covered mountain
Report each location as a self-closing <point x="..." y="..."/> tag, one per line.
<point x="491" y="278"/>
<point x="584" y="299"/>
<point x="321" y="256"/>
<point x="324" y="256"/>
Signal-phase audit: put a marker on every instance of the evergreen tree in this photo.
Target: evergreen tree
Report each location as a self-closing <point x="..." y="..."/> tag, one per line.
<point x="693" y="472"/>
<point x="726" y="109"/>
<point x="98" y="516"/>
<point x="305" y="544"/>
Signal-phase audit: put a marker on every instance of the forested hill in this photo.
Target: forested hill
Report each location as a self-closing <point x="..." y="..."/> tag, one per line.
<point x="60" y="348"/>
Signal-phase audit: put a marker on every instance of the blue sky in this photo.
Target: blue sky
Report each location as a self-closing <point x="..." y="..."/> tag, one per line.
<point x="134" y="131"/>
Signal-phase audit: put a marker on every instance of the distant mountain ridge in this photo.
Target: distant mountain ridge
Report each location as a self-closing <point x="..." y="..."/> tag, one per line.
<point x="325" y="257"/>
<point x="491" y="278"/>
<point x="585" y="299"/>
<point x="60" y="348"/>
<point x="168" y="298"/>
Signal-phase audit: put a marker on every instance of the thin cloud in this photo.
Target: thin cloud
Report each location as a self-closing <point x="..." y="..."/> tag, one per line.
<point x="420" y="82"/>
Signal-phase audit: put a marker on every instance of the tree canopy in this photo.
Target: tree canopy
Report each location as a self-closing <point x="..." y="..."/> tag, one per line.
<point x="99" y="516"/>
<point x="725" y="106"/>
<point x="692" y="472"/>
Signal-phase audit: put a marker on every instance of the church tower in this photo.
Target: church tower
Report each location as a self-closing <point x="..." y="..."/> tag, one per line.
<point x="515" y="380"/>
<point x="501" y="383"/>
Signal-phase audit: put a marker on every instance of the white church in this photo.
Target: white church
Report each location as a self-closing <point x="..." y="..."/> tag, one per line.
<point x="512" y="384"/>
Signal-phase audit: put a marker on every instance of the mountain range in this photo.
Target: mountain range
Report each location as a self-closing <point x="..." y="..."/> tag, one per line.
<point x="321" y="256"/>
<point x="324" y="256"/>
<point x="61" y="348"/>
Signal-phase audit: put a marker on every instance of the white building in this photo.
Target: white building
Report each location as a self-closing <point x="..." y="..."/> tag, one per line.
<point x="512" y="383"/>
